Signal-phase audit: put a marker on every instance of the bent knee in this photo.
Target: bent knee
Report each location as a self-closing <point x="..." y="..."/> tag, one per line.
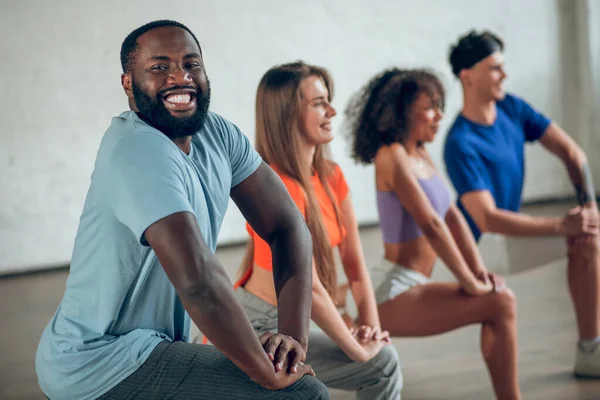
<point x="387" y="361"/>
<point x="385" y="367"/>
<point x="584" y="256"/>
<point x="506" y="304"/>
<point x="309" y="388"/>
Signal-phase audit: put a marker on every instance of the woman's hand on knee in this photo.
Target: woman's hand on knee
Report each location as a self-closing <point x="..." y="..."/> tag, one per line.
<point x="478" y="287"/>
<point x="365" y="333"/>
<point x="497" y="281"/>
<point x="371" y="348"/>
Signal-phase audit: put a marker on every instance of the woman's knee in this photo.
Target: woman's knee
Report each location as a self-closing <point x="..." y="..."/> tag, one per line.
<point x="385" y="367"/>
<point x="505" y="304"/>
<point x="386" y="361"/>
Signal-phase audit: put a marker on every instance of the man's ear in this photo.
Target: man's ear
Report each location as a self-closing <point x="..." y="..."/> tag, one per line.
<point x="127" y="82"/>
<point x="465" y="77"/>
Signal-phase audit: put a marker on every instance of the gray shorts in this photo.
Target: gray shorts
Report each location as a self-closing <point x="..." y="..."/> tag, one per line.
<point x="378" y="379"/>
<point x="390" y="280"/>
<point x="183" y="371"/>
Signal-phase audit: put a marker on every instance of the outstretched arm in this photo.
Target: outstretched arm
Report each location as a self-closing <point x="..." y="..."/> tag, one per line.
<point x="482" y="208"/>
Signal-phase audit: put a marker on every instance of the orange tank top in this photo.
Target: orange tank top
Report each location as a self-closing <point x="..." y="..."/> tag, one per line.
<point x="339" y="190"/>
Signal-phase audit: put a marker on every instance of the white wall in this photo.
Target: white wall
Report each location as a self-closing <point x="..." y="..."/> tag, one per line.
<point x="60" y="80"/>
<point x="588" y="39"/>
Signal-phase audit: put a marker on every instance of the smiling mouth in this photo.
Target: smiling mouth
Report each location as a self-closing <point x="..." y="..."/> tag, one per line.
<point x="180" y="100"/>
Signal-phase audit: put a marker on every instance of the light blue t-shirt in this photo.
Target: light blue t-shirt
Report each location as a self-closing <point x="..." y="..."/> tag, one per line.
<point x="118" y="303"/>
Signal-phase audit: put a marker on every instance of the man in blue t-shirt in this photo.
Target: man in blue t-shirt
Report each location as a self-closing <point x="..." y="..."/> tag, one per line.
<point x="484" y="156"/>
<point x="143" y="261"/>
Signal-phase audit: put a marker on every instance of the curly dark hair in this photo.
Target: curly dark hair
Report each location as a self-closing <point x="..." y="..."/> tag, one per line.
<point x="379" y="114"/>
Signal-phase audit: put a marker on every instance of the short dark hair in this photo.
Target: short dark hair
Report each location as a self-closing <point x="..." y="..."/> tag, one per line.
<point x="378" y="115"/>
<point x="129" y="46"/>
<point x="470" y="47"/>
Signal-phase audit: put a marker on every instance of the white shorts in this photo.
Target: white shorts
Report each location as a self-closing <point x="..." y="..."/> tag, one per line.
<point x="390" y="280"/>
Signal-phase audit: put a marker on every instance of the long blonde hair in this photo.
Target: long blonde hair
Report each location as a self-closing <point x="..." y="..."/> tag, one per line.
<point x="279" y="142"/>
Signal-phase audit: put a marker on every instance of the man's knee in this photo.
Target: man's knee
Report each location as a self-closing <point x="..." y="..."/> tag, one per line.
<point x="309" y="387"/>
<point x="584" y="254"/>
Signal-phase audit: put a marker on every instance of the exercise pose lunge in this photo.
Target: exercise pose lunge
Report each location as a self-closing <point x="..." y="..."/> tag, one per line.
<point x="392" y="119"/>
<point x="293" y="129"/>
<point x="485" y="158"/>
<point x="144" y="252"/>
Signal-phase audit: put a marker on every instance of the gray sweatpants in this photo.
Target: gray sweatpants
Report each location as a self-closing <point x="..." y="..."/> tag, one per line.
<point x="182" y="371"/>
<point x="378" y="379"/>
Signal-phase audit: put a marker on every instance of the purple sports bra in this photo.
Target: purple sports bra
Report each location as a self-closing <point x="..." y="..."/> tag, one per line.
<point x="397" y="225"/>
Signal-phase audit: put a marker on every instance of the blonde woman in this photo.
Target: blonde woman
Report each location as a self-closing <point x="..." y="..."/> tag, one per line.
<point x="293" y="129"/>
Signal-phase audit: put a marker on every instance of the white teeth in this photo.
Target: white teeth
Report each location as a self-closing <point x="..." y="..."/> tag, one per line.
<point x="179" y="98"/>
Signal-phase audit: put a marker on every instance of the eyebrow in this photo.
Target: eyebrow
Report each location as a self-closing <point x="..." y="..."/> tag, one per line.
<point x="166" y="58"/>
<point x="318" y="98"/>
<point x="159" y="58"/>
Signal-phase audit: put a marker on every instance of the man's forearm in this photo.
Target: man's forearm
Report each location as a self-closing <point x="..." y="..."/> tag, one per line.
<point x="292" y="273"/>
<point x="221" y="318"/>
<point x="517" y="224"/>
<point x="581" y="176"/>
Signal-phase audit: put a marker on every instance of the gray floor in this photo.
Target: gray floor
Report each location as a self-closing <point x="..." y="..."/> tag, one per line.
<point x="447" y="366"/>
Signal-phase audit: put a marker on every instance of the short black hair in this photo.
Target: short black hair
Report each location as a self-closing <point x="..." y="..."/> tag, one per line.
<point x="470" y="47"/>
<point x="379" y="114"/>
<point x="129" y="46"/>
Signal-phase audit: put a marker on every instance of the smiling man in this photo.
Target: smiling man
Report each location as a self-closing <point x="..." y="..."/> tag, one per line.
<point x="485" y="159"/>
<point x="143" y="261"/>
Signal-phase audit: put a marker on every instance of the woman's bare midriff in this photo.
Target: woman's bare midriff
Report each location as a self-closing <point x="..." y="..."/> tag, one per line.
<point x="416" y="254"/>
<point x="261" y="285"/>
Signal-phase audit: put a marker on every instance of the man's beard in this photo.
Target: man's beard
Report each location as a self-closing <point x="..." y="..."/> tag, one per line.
<point x="155" y="112"/>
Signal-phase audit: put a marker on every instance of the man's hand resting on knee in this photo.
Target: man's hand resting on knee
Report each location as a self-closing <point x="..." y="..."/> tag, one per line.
<point x="287" y="356"/>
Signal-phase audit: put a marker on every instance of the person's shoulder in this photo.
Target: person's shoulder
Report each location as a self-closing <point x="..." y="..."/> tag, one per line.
<point x="128" y="136"/>
<point x="335" y="170"/>
<point x="460" y="127"/>
<point x="391" y="156"/>
<point x="217" y="123"/>
<point x="460" y="141"/>
<point x="511" y="104"/>
<point x="459" y="133"/>
<point x="218" y="127"/>
<point x="511" y="98"/>
<point x="214" y="119"/>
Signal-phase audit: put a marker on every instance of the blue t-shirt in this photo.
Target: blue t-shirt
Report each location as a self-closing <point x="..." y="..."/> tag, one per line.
<point x="118" y="303"/>
<point x="491" y="157"/>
